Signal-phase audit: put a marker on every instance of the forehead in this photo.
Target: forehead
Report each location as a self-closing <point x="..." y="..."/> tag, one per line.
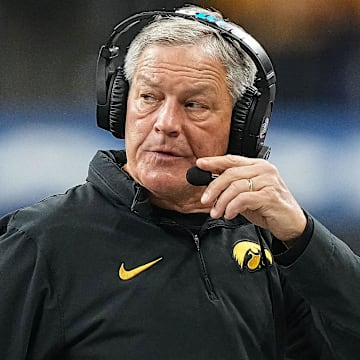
<point x="180" y="61"/>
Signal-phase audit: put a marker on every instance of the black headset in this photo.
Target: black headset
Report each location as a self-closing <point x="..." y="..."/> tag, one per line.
<point x="251" y="113"/>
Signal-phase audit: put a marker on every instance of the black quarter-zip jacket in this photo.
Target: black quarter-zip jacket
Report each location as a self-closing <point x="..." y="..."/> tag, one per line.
<point x="99" y="273"/>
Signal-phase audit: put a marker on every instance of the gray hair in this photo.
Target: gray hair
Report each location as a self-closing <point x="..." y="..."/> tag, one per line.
<point x="174" y="31"/>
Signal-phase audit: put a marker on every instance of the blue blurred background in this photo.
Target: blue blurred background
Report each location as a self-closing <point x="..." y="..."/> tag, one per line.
<point x="48" y="129"/>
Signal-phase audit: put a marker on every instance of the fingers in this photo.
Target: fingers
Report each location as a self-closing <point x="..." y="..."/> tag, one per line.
<point x="254" y="189"/>
<point x="218" y="164"/>
<point x="231" y="201"/>
<point x="231" y="197"/>
<point x="239" y="175"/>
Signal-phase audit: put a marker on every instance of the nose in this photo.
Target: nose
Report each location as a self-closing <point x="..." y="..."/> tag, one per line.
<point x="169" y="118"/>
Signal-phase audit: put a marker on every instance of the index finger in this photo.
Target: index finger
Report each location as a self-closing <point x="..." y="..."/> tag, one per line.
<point x="218" y="164"/>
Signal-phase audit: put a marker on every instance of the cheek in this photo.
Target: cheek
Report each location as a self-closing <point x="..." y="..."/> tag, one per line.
<point x="210" y="141"/>
<point x="136" y="129"/>
<point x="134" y="137"/>
<point x="223" y="133"/>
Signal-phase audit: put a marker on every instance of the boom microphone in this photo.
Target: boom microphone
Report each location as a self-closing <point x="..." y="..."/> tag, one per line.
<point x="199" y="177"/>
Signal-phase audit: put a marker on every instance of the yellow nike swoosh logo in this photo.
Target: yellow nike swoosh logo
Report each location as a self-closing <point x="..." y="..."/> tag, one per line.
<point x="129" y="274"/>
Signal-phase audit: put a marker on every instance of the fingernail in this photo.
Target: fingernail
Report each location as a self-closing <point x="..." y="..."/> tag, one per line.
<point x="213" y="213"/>
<point x="204" y="197"/>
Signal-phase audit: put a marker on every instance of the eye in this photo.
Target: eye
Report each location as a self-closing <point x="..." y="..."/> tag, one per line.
<point x="196" y="105"/>
<point x="148" y="98"/>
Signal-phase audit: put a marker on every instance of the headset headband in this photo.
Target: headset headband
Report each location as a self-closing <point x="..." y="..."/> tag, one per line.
<point x="225" y="28"/>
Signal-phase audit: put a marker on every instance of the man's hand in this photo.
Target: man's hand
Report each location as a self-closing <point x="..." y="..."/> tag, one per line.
<point x="254" y="189"/>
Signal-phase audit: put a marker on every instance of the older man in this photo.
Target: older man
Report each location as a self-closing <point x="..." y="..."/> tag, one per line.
<point x="137" y="263"/>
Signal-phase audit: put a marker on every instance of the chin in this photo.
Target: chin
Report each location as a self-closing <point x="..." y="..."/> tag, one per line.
<point x="161" y="182"/>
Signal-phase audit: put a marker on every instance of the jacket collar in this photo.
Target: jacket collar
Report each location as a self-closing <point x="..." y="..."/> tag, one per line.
<point x="106" y="174"/>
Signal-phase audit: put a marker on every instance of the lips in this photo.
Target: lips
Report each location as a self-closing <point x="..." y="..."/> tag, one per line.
<point x="165" y="156"/>
<point x="167" y="152"/>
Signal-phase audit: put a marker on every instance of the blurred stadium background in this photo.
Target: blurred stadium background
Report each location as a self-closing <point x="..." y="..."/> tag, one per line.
<point x="47" y="96"/>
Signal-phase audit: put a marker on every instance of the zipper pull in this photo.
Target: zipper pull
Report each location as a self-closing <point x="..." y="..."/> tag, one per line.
<point x="197" y="241"/>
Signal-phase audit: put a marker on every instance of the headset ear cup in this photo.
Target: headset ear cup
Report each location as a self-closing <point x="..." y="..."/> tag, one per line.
<point x="240" y="123"/>
<point x="118" y="103"/>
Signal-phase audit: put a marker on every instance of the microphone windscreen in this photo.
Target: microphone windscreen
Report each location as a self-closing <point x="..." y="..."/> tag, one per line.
<point x="198" y="177"/>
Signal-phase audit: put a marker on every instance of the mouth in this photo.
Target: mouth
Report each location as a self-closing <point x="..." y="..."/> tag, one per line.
<point x="166" y="153"/>
<point x="166" y="157"/>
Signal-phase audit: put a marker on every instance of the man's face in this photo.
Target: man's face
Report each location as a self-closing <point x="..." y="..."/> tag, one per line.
<point x="179" y="109"/>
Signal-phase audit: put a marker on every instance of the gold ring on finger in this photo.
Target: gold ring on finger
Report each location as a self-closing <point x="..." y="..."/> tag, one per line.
<point x="250" y="185"/>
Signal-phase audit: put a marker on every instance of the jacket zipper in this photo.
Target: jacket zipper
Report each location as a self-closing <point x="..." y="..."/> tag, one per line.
<point x="209" y="286"/>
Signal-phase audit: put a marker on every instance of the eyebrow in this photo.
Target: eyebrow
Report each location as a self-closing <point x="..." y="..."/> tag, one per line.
<point x="200" y="88"/>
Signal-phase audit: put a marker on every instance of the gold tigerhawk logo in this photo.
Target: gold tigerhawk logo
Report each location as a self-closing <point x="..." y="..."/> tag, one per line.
<point x="248" y="255"/>
<point x="129" y="274"/>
